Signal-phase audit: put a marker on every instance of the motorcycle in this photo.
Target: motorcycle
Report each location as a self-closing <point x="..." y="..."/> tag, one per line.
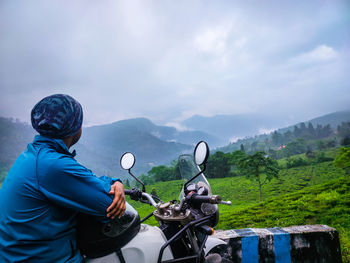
<point x="185" y="227"/>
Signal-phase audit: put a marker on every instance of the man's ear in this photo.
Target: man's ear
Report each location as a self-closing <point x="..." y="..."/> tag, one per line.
<point x="76" y="137"/>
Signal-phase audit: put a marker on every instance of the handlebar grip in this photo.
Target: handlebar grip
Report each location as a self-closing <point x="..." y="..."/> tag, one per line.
<point x="135" y="194"/>
<point x="127" y="191"/>
<point x="199" y="199"/>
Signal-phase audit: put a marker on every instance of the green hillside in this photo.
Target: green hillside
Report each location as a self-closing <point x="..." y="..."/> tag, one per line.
<point x="314" y="194"/>
<point x="242" y="191"/>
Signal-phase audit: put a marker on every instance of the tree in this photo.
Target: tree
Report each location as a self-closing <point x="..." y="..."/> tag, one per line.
<point x="233" y="161"/>
<point x="127" y="183"/>
<point x="259" y="167"/>
<point x="277" y="138"/>
<point x="296" y="131"/>
<point x="318" y="131"/>
<point x="273" y="153"/>
<point x="242" y="148"/>
<point x="146" y="179"/>
<point x="345" y="141"/>
<point x="311" y="130"/>
<point x="343" y="130"/>
<point x="321" y="145"/>
<point x="304" y="132"/>
<point x="162" y="173"/>
<point x="296" y="147"/>
<point x="235" y="157"/>
<point x="331" y="143"/>
<point x="288" y="137"/>
<point x="343" y="159"/>
<point x="217" y="166"/>
<point x="326" y="131"/>
<point x="254" y="146"/>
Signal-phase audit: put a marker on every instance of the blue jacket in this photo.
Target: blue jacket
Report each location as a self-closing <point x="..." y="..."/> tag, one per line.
<point x="39" y="200"/>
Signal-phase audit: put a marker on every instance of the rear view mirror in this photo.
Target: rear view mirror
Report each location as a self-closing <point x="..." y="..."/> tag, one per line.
<point x="201" y="153"/>
<point x="127" y="161"/>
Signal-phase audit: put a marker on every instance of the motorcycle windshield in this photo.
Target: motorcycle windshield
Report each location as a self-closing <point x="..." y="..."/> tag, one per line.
<point x="188" y="168"/>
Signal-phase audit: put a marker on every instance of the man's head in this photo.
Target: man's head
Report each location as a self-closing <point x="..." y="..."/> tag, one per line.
<point x="58" y="116"/>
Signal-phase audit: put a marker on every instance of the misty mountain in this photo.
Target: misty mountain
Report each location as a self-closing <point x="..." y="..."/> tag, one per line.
<point x="101" y="147"/>
<point x="229" y="127"/>
<point x="164" y="133"/>
<point x="333" y="119"/>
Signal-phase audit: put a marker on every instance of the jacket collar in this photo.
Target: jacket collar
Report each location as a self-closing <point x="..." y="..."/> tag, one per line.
<point x="57" y="144"/>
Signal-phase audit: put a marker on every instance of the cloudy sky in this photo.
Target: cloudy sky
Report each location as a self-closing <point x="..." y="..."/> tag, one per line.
<point x="168" y="60"/>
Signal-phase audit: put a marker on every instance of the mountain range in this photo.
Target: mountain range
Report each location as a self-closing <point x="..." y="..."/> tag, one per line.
<point x="101" y="147"/>
<point x="230" y="127"/>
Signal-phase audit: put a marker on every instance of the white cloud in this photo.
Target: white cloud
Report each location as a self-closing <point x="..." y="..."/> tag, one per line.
<point x="320" y="54"/>
<point x="265" y="131"/>
<point x="213" y="39"/>
<point x="177" y="126"/>
<point x="235" y="139"/>
<point x="168" y="60"/>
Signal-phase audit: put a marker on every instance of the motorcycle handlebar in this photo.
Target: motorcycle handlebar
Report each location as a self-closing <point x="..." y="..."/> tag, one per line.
<point x="213" y="199"/>
<point x="127" y="191"/>
<point x="200" y="199"/>
<point x="137" y="195"/>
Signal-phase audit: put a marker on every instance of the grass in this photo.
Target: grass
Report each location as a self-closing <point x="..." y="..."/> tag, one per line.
<point x="241" y="191"/>
<point x="329" y="153"/>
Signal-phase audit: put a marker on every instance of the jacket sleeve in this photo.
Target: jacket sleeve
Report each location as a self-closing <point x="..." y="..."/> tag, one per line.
<point x="109" y="179"/>
<point x="69" y="184"/>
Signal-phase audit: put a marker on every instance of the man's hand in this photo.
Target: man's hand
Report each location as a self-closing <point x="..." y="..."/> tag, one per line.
<point x="117" y="208"/>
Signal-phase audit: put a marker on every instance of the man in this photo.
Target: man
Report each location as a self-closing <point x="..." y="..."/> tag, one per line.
<point x="46" y="188"/>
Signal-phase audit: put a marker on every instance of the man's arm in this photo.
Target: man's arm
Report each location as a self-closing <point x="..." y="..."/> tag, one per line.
<point x="117" y="208"/>
<point x="69" y="184"/>
<point x="117" y="189"/>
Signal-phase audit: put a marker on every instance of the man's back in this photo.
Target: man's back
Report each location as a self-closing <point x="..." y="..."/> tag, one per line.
<point x="31" y="227"/>
<point x="47" y="187"/>
<point x="40" y="198"/>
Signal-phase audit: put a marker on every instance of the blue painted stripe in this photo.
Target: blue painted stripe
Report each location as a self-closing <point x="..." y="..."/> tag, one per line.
<point x="282" y="247"/>
<point x="250" y="251"/>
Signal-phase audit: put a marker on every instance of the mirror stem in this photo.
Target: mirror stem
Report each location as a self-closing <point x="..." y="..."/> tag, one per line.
<point x="138" y="180"/>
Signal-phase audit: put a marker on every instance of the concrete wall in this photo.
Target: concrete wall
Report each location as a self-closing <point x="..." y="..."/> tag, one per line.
<point x="311" y="243"/>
